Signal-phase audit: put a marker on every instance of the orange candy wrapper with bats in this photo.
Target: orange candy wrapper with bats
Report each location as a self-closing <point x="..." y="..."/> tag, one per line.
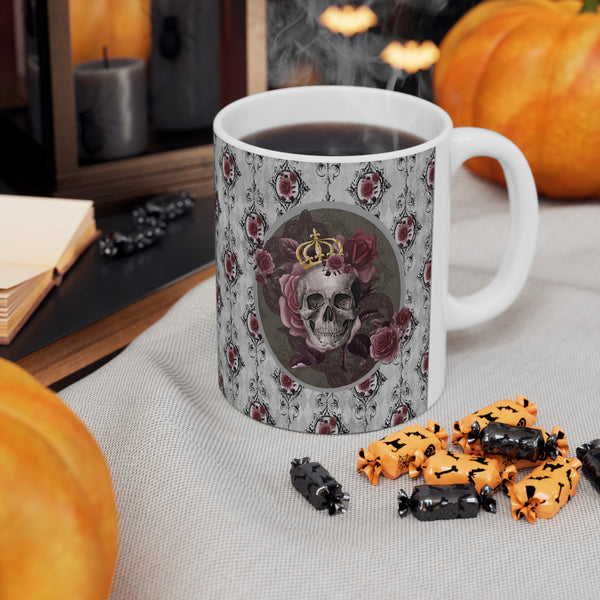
<point x="444" y="468"/>
<point x="519" y="412"/>
<point x="400" y="451"/>
<point x="545" y="490"/>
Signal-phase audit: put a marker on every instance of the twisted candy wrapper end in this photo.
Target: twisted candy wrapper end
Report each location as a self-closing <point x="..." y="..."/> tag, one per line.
<point x="460" y="437"/>
<point x="562" y="447"/>
<point x="556" y="443"/>
<point x="486" y="499"/>
<point x="522" y="505"/>
<point x="474" y="432"/>
<point x="416" y="464"/>
<point x="439" y="432"/>
<point x="509" y="475"/>
<point x="370" y="465"/>
<point x="403" y="503"/>
<point x="335" y="499"/>
<point x="527" y="405"/>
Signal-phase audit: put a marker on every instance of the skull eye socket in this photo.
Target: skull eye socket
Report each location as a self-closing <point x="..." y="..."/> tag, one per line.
<point x="314" y="301"/>
<point x="342" y="301"/>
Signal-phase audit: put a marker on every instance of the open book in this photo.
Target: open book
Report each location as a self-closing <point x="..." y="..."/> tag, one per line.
<point x="40" y="239"/>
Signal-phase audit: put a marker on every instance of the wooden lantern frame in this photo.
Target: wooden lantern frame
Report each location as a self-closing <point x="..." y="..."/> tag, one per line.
<point x="114" y="182"/>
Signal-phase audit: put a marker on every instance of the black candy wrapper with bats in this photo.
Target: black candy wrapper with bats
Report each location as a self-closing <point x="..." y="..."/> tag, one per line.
<point x="453" y="501"/>
<point x="315" y="483"/>
<point x="589" y="455"/>
<point x="525" y="443"/>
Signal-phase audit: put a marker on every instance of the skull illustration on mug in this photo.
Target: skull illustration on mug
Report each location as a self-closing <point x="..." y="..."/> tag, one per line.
<point x="329" y="294"/>
<point x="328" y="304"/>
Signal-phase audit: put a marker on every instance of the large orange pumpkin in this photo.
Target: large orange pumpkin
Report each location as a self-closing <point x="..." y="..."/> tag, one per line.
<point x="529" y="69"/>
<point x="58" y="518"/>
<point x="123" y="26"/>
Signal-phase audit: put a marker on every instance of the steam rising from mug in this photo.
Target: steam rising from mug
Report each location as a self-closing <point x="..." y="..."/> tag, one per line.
<point x="302" y="51"/>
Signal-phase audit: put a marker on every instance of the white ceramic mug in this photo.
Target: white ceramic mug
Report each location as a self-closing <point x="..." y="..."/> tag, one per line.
<point x="332" y="271"/>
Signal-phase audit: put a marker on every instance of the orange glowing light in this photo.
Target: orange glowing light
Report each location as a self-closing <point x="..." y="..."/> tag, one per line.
<point x="412" y="56"/>
<point x="348" y="20"/>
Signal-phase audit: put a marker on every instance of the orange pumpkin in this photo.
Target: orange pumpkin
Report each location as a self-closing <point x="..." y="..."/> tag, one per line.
<point x="530" y="70"/>
<point x="58" y="518"/>
<point x="123" y="26"/>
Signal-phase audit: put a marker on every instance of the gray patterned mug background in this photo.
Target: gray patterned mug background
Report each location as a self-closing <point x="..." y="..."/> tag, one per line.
<point x="341" y="345"/>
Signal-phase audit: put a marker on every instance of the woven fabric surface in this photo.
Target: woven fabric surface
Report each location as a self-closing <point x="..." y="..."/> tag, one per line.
<point x="205" y="501"/>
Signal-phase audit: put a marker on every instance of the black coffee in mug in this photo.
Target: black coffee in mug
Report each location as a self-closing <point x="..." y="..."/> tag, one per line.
<point x="333" y="139"/>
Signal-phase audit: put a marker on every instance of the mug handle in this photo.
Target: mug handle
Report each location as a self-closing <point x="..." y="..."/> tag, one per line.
<point x="500" y="293"/>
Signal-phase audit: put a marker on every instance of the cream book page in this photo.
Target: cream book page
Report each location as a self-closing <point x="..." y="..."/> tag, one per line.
<point x="36" y="232"/>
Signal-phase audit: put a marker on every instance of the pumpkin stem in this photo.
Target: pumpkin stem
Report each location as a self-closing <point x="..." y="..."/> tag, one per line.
<point x="589" y="6"/>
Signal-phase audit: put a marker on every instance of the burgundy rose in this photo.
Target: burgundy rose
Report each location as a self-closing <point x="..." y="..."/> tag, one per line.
<point x="230" y="265"/>
<point x="327" y="425"/>
<point x="264" y="261"/>
<point x="366" y="187"/>
<point x="263" y="265"/>
<point x="402" y="319"/>
<point x="425" y="364"/>
<point x="255" y="227"/>
<point x="228" y="167"/>
<point x="252" y="227"/>
<point x="360" y="252"/>
<point x="253" y="326"/>
<point x="431" y="174"/>
<point x="366" y="387"/>
<point x="427" y="273"/>
<point x="287" y="186"/>
<point x="335" y="262"/>
<point x="405" y="231"/>
<point x="402" y="322"/>
<point x="284" y="186"/>
<point x="287" y="385"/>
<point x="258" y="411"/>
<point x="400" y="415"/>
<point x="369" y="187"/>
<point x="233" y="358"/>
<point x="288" y="303"/>
<point x="286" y="382"/>
<point x="385" y="344"/>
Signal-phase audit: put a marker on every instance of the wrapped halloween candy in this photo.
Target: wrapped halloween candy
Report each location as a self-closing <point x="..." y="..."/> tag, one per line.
<point x="543" y="492"/>
<point x="454" y="467"/>
<point x="398" y="452"/>
<point x="521" y="446"/>
<point x="589" y="455"/>
<point x="165" y="207"/>
<point x="452" y="501"/>
<point x="519" y="412"/>
<point x="118" y="243"/>
<point x="315" y="483"/>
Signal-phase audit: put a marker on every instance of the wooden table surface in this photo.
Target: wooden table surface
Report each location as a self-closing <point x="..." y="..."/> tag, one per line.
<point x="61" y="361"/>
<point x="103" y="304"/>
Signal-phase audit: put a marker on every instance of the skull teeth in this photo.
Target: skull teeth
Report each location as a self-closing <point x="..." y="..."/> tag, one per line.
<point x="330" y="332"/>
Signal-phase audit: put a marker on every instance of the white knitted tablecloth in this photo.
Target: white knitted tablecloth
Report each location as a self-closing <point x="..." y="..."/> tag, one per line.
<point x="204" y="495"/>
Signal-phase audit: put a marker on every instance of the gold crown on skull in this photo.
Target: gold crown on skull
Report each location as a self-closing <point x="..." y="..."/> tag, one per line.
<point x="319" y="249"/>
